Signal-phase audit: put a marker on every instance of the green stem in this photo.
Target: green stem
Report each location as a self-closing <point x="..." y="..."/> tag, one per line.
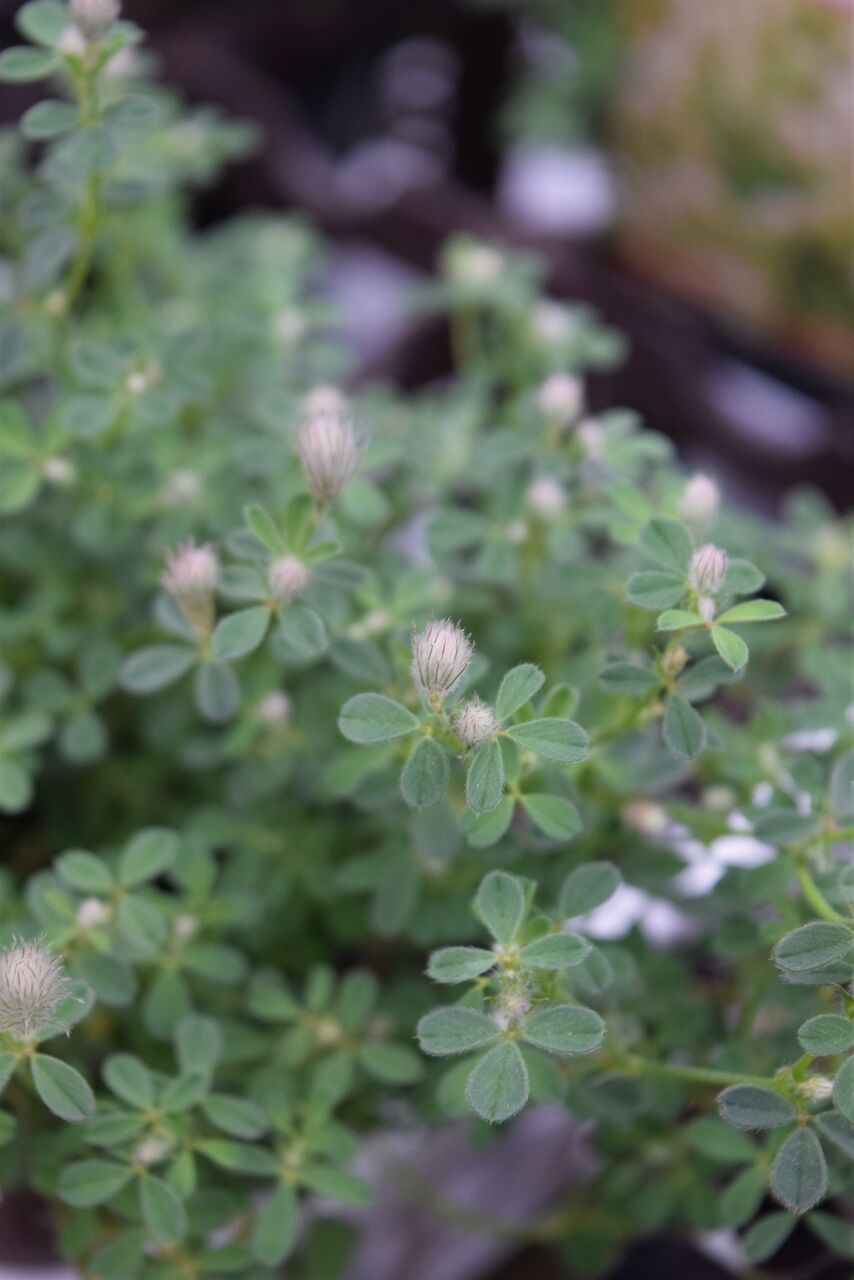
<point x="815" y="897"/>
<point x="633" y="1064"/>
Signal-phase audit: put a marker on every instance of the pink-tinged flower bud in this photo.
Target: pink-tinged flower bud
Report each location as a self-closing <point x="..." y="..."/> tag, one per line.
<point x="706" y="608"/>
<point x="274" y="709"/>
<point x="592" y="439"/>
<point x="560" y="399"/>
<point x="287" y="578"/>
<point x="92" y="912"/>
<point x="546" y="497"/>
<point x="93" y="18"/>
<point x="325" y="399"/>
<point x="699" y="501"/>
<point x="475" y="722"/>
<point x="441" y="654"/>
<point x="190" y="577"/>
<point x="708" y="569"/>
<point x="551" y="323"/>
<point x="329" y="452"/>
<point x="32" y="987"/>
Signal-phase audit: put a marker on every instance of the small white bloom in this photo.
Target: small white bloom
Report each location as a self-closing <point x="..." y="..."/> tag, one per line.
<point x="708" y="569"/>
<point x="644" y="816"/>
<point x="816" y="1088"/>
<point x="551" y="322"/>
<point x="59" y="471"/>
<point x="56" y="302"/>
<point x="185" y="927"/>
<point x="374" y="623"/>
<point x="274" y="709"/>
<point x="94" y="18"/>
<point x="511" y="1007"/>
<point x="142" y="380"/>
<point x="92" y="912"/>
<point x="517" y="533"/>
<point x="706" y="608"/>
<point x="469" y="262"/>
<point x="324" y="399"/>
<point x="190" y="577"/>
<point x="441" y="654"/>
<point x="32" y="987"/>
<point x="546" y="497"/>
<point x="153" y="1149"/>
<point x="475" y="722"/>
<point x="560" y="398"/>
<point x="329" y="451"/>
<point x="290" y="326"/>
<point x="700" y="500"/>
<point x="287" y="578"/>
<point x="182" y="488"/>
<point x="592" y="439"/>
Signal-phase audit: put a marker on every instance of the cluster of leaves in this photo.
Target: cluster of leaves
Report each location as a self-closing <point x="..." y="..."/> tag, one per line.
<point x="244" y="837"/>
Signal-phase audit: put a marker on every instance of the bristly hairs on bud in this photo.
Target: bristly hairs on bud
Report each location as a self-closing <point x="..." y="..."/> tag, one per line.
<point x="560" y="399"/>
<point x="190" y="578"/>
<point x="329" y="452"/>
<point x="32" y="987"/>
<point x="708" y="569"/>
<point x="441" y="655"/>
<point x="475" y="722"/>
<point x="287" y="578"/>
<point x="93" y="18"/>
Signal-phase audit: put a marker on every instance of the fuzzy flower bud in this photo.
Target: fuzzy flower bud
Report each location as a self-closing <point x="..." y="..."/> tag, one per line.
<point x="274" y="709"/>
<point x="592" y="439"/>
<point x="674" y="661"/>
<point x="816" y="1088"/>
<point x="153" y="1149"/>
<point x="185" y="927"/>
<point x="290" y="326"/>
<point x="551" y="323"/>
<point x="92" y="912"/>
<point x="700" y="500"/>
<point x="190" y="578"/>
<point x="546" y="497"/>
<point x="475" y="722"/>
<point x="59" y="471"/>
<point x="32" y="987"/>
<point x="441" y="654"/>
<point x="93" y="18"/>
<point x="324" y="399"/>
<point x="472" y="263"/>
<point x="708" y="569"/>
<point x="560" y="399"/>
<point x="706" y="608"/>
<point x="329" y="452"/>
<point x="182" y="488"/>
<point x="511" y="1006"/>
<point x="645" y="817"/>
<point x="287" y="578"/>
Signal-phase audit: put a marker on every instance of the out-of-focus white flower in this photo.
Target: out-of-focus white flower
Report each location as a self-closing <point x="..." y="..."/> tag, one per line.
<point x="141" y="380"/>
<point x="190" y="577"/>
<point x="324" y="399"/>
<point x="182" y="488"/>
<point x="59" y="471"/>
<point x="93" y="18"/>
<point x="32" y="987"/>
<point x="441" y="654"/>
<point x="274" y="709"/>
<point x="153" y="1148"/>
<point x="592" y="439"/>
<point x="290" y="326"/>
<point x="706" y="608"/>
<point x="645" y="817"/>
<point x="287" y="578"/>
<point x="92" y="912"/>
<point x="517" y="532"/>
<point x="700" y="500"/>
<point x="329" y="452"/>
<point x="472" y="263"/>
<point x="560" y="399"/>
<point x="185" y="927"/>
<point x="816" y="1088"/>
<point x="708" y="569"/>
<point x="551" y="323"/>
<point x="546" y="497"/>
<point x="475" y="722"/>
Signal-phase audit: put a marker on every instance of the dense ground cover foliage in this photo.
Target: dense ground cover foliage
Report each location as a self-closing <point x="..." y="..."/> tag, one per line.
<point x="304" y="694"/>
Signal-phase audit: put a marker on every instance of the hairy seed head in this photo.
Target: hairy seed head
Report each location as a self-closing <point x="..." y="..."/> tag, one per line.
<point x="475" y="722"/>
<point x="329" y="452"/>
<point x="441" y="654"/>
<point x="32" y="987"/>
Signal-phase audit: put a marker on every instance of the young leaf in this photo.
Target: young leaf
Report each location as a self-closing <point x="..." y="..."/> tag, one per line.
<point x="555" y="951"/>
<point x="275" y="1230"/>
<point x="150" y="853"/>
<point x="517" y="688"/>
<point x="240" y="633"/>
<point x="557" y="818"/>
<point x="20" y="64"/>
<point x="731" y="647"/>
<point x="129" y="1079"/>
<point x="264" y="527"/>
<point x="628" y="678"/>
<point x="484" y="829"/>
<point x="83" y="871"/>
<point x="338" y="1185"/>
<point x="485" y="778"/>
<point x="454" y="1030"/>
<point x="498" y="1087"/>
<point x="155" y="667"/>
<point x="301" y="633"/>
<point x="162" y="1211"/>
<point x="754" y="611"/>
<point x="89" y="1182"/>
<point x="813" y="946"/>
<point x="742" y="577"/>
<point x="238" y="1117"/>
<point x="561" y="740"/>
<point x="500" y="903"/>
<point x="826" y="1034"/>
<point x="653" y="589"/>
<point x="424" y="779"/>
<point x="587" y="887"/>
<point x="62" y="1089"/>
<point x="372" y="717"/>
<point x="799" y="1172"/>
<point x="669" y="543"/>
<point x="766" y="1236"/>
<point x="459" y="964"/>
<point x="839" y="1130"/>
<point x="748" y="1106"/>
<point x="684" y="731"/>
<point x="843" y="1090"/>
<point x="217" y="691"/>
<point x="677" y="619"/>
<point x="565" y="1028"/>
<point x="390" y="1063"/>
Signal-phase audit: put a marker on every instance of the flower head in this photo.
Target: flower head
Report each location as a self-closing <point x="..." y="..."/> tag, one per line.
<point x="441" y="654"/>
<point x="592" y="439"/>
<point x="560" y="399"/>
<point x="287" y="578"/>
<point x="274" y="709"/>
<point x="546" y="497"/>
<point x="708" y="569"/>
<point x="190" y="577"/>
<point x="475" y="722"/>
<point x="329" y="452"/>
<point x="816" y="1088"/>
<point x="32" y="987"/>
<point x="700" y="500"/>
<point x="93" y="18"/>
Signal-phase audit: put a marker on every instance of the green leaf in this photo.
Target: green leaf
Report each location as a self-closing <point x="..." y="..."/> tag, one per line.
<point x="843" y="1089"/>
<point x="669" y="543"/>
<point x="217" y="691"/>
<point x="742" y="1198"/>
<point x="424" y="779"/>
<point x="684" y="731"/>
<point x="554" y="951"/>
<point x="561" y="740"/>
<point x="799" y="1172"/>
<point x="239" y="1157"/>
<point x="238" y="1117"/>
<point x="155" y="667"/>
<point x="265" y="529"/>
<point x="87" y="414"/>
<point x="90" y="1182"/>
<point x="731" y="647"/>
<point x="557" y="818"/>
<point x="8" y="1062"/>
<point x="184" y="1092"/>
<point x="454" y="1030"/>
<point x="298" y="520"/>
<point x="813" y="946"/>
<point x="676" y="619"/>
<point x="84" y="871"/>
<point x="518" y="687"/>
<point x="162" y="1211"/>
<point x="43" y="21"/>
<point x="62" y="1089"/>
<point x="275" y="1230"/>
<point x="652" y="589"/>
<point x="498" y="1087"/>
<point x="240" y="633"/>
<point x="628" y="678"/>
<point x="500" y="904"/>
<point x="21" y="63"/>
<point x="742" y="577"/>
<point x="485" y="778"/>
<point x="714" y="1139"/>
<point x="459" y="964"/>
<point x="48" y="120"/>
<point x="130" y="1080"/>
<point x="338" y="1185"/>
<point x="302" y="633"/>
<point x="564" y="1028"/>
<point x="826" y="1034"/>
<point x="754" y="611"/>
<point x="748" y="1106"/>
<point x="390" y="1063"/>
<point x="767" y="1235"/>
<point x="839" y="1130"/>
<point x="121" y="1257"/>
<point x="372" y="717"/>
<point x="484" y="829"/>
<point x="146" y="856"/>
<point x="587" y="887"/>
<point x="198" y="1043"/>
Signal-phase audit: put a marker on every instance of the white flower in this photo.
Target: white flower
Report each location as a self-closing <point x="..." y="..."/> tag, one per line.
<point x="190" y="577"/>
<point x="92" y="912"/>
<point x="287" y="578"/>
<point x="511" y="1007"/>
<point x="153" y="1149"/>
<point x="560" y="398"/>
<point x="274" y="709"/>
<point x="329" y="452"/>
<point x="93" y="18"/>
<point x="290" y="326"/>
<point x="32" y="987"/>
<point x="700" y="500"/>
<point x="551" y="322"/>
<point x="706" y="608"/>
<point x="644" y="816"/>
<point x="816" y="1088"/>
<point x="324" y="399"/>
<point x="59" y="471"/>
<point x="592" y="439"/>
<point x="185" y="927"/>
<point x="441" y="654"/>
<point x="182" y="487"/>
<point x="546" y="497"/>
<point x="469" y="262"/>
<point x="517" y="533"/>
<point x="708" y="569"/>
<point x="475" y="722"/>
